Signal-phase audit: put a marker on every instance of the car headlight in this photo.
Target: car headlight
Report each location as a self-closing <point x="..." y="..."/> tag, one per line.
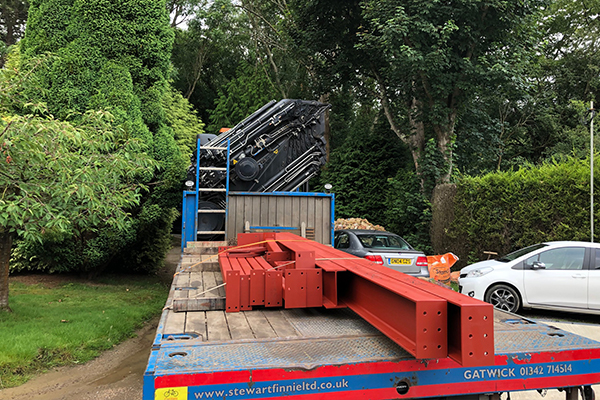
<point x="476" y="273"/>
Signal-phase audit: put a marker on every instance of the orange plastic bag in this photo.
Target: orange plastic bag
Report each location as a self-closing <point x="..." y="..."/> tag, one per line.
<point x="439" y="266"/>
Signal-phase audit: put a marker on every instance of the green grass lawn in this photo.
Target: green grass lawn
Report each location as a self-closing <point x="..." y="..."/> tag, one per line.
<point x="71" y="323"/>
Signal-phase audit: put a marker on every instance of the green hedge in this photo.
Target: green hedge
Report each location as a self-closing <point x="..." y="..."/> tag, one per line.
<point x="505" y="211"/>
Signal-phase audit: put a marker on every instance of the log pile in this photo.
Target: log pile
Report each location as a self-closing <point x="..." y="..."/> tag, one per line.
<point x="356" y="223"/>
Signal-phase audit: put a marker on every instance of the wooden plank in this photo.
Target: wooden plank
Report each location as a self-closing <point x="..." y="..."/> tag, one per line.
<point x="199" y="304"/>
<point x="195" y="322"/>
<point x="326" y="221"/>
<point x="230" y="227"/>
<point x="287" y="215"/>
<point x="281" y="210"/>
<point x="295" y="214"/>
<point x="319" y="217"/>
<point x="311" y="220"/>
<point x="247" y="213"/>
<point x="190" y="259"/>
<point x="210" y="263"/>
<point x="231" y="220"/>
<point x="259" y="325"/>
<point x="175" y="323"/>
<point x="210" y="282"/>
<point x="216" y="326"/>
<point x="238" y="326"/>
<point x="204" y="262"/>
<point x="264" y="210"/>
<point x="181" y="280"/>
<point x="240" y="216"/>
<point x="219" y="281"/>
<point x="196" y="282"/>
<point x="304" y="212"/>
<point x="279" y="323"/>
<point x="272" y="218"/>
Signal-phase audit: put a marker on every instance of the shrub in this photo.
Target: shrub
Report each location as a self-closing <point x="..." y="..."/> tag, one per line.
<point x="505" y="211"/>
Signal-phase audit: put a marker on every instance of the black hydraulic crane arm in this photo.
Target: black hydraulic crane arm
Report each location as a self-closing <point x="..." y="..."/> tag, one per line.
<point x="277" y="148"/>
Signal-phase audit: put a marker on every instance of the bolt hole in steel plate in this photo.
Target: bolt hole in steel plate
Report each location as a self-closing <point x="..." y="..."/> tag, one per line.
<point x="178" y="354"/>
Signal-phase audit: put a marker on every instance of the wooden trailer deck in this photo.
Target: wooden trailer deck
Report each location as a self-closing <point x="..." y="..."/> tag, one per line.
<point x="198" y="278"/>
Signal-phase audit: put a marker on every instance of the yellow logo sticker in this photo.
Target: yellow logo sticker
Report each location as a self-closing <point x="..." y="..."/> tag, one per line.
<point x="176" y="393"/>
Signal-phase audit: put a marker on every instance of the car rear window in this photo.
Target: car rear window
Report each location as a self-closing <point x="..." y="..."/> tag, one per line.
<point x="390" y="242"/>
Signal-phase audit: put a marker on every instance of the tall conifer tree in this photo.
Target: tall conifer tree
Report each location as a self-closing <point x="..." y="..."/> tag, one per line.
<point x="113" y="55"/>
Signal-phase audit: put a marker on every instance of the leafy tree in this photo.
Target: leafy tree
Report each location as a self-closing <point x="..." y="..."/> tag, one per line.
<point x="13" y="14"/>
<point x="274" y="49"/>
<point x="112" y="56"/>
<point x="536" y="115"/>
<point x="183" y="119"/>
<point x="359" y="169"/>
<point x="181" y="10"/>
<point x="207" y="54"/>
<point x="423" y="61"/>
<point x="61" y="178"/>
<point x="238" y="53"/>
<point x="434" y="54"/>
<point x="245" y="94"/>
<point x="408" y="210"/>
<point x="573" y="48"/>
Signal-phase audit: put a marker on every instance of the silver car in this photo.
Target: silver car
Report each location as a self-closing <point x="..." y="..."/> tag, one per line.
<point x="383" y="248"/>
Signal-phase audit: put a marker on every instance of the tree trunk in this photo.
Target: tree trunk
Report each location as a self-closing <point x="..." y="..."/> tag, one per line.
<point x="325" y="99"/>
<point x="444" y="134"/>
<point x="6" y="239"/>
<point x="415" y="140"/>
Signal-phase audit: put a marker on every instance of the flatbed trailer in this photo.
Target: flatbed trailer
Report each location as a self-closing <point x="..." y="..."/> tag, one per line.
<point x="318" y="353"/>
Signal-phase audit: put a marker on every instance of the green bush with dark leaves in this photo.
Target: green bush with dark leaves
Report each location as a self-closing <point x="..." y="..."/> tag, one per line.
<point x="505" y="211"/>
<point x="112" y="56"/>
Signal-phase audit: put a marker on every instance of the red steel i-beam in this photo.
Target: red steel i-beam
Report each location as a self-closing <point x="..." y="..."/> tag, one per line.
<point x="427" y="320"/>
<point x="413" y="318"/>
<point x="470" y="321"/>
<point x="273" y="283"/>
<point x="469" y="326"/>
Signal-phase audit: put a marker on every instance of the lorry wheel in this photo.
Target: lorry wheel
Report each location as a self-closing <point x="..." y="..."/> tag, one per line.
<point x="588" y="393"/>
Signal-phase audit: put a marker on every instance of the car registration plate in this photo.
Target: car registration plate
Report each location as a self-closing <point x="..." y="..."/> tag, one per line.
<point x="401" y="261"/>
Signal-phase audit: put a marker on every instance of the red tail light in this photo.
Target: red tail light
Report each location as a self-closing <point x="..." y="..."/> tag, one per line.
<point x="421" y="261"/>
<point x="375" y="259"/>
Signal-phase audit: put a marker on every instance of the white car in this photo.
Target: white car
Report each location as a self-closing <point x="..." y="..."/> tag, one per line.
<point x="561" y="276"/>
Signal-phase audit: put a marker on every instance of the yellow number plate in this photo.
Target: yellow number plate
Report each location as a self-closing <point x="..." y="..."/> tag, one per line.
<point x="402" y="261"/>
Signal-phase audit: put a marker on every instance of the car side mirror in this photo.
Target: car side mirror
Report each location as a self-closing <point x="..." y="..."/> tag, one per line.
<point x="538" y="265"/>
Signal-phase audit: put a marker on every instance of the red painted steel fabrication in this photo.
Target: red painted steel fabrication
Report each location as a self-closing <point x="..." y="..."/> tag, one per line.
<point x="282" y="269"/>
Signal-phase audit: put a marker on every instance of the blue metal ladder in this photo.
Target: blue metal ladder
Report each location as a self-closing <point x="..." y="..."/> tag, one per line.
<point x="200" y="190"/>
<point x="191" y="211"/>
